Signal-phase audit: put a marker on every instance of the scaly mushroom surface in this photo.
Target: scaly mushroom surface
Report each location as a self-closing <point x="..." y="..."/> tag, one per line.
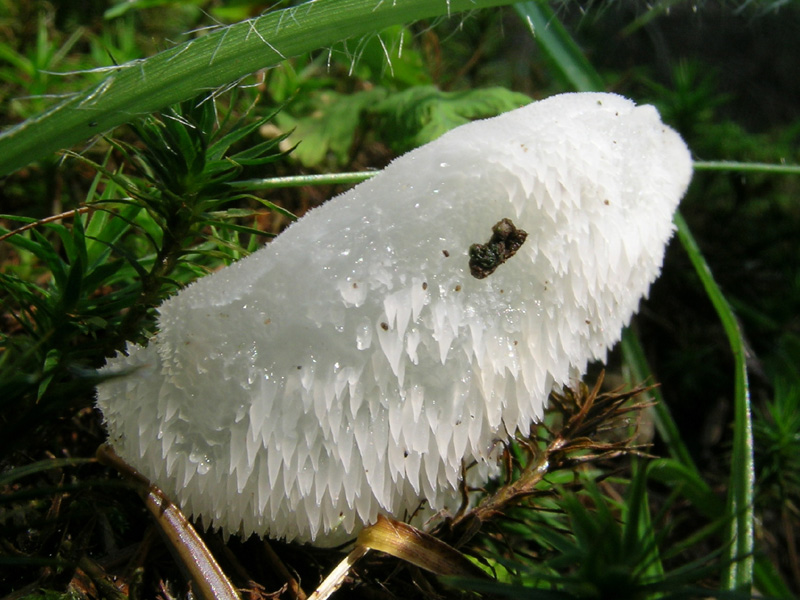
<point x="405" y="328"/>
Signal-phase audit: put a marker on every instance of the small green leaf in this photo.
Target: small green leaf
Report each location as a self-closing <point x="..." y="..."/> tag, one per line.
<point x="51" y="362"/>
<point x="43" y="465"/>
<point x="239" y="228"/>
<point x="72" y="289"/>
<point x="330" y="127"/>
<point x="419" y="115"/>
<point x="692" y="486"/>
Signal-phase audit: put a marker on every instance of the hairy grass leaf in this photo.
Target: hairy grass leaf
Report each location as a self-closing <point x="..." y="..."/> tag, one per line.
<point x="211" y="61"/>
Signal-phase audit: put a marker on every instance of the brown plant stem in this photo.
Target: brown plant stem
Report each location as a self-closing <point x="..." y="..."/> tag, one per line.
<point x="209" y="582"/>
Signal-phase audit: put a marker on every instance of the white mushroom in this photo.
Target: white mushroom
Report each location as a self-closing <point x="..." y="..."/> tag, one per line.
<point x="352" y="366"/>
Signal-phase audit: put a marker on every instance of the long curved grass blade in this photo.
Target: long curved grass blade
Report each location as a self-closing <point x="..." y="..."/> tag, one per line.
<point x="738" y="574"/>
<point x="636" y="361"/>
<point x="42" y="465"/>
<point x="581" y="75"/>
<point x="638" y="531"/>
<point x="217" y="59"/>
<point x="556" y="42"/>
<point x="649" y="15"/>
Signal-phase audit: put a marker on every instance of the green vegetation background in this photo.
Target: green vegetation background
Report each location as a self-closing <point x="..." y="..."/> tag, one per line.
<point x="149" y="206"/>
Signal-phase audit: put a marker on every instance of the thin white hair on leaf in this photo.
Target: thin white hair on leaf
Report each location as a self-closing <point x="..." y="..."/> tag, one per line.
<point x="354" y="54"/>
<point x="105" y="69"/>
<point x="98" y="92"/>
<point x="224" y="89"/>
<point x="247" y="86"/>
<point x="295" y="9"/>
<point x="178" y="118"/>
<point x="212" y="97"/>
<point x="400" y="43"/>
<point x="216" y="23"/>
<point x="463" y="17"/>
<point x="380" y="3"/>
<point x="290" y="12"/>
<point x="86" y="147"/>
<point x="531" y="26"/>
<point x="358" y="52"/>
<point x="342" y="50"/>
<point x="203" y="29"/>
<point x="438" y="20"/>
<point x="386" y="54"/>
<point x="66" y="95"/>
<point x="182" y="49"/>
<point x="281" y="15"/>
<point x="362" y="43"/>
<point x="254" y="29"/>
<point x="217" y="48"/>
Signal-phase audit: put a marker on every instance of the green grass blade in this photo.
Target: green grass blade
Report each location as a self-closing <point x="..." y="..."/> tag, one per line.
<point x="648" y="16"/>
<point x="44" y="465"/>
<point x="212" y="61"/>
<point x="690" y="484"/>
<point x="738" y="574"/>
<point x="639" y="536"/>
<point x="768" y="580"/>
<point x="565" y="55"/>
<point x="636" y="361"/>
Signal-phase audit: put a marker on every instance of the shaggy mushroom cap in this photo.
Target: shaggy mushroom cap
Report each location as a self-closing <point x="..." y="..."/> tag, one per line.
<point x="406" y="327"/>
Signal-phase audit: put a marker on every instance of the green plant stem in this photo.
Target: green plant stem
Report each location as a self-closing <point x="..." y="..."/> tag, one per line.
<point x="575" y="69"/>
<point x="217" y="59"/>
<point x="301" y="180"/>
<point x="738" y="575"/>
<point x="209" y="581"/>
<point x="747" y="167"/>
<point x="359" y="176"/>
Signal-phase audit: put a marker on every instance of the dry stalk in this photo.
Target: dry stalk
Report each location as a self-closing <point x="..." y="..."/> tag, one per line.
<point x="586" y="413"/>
